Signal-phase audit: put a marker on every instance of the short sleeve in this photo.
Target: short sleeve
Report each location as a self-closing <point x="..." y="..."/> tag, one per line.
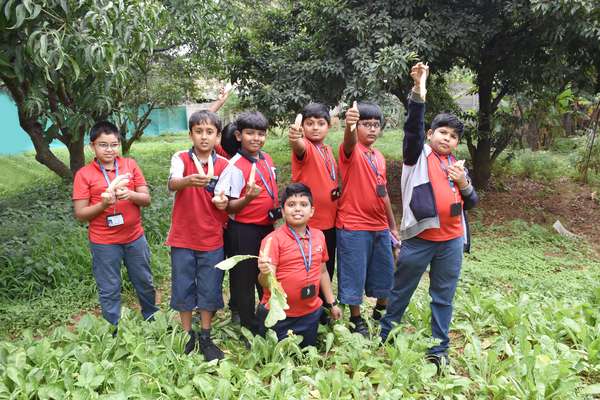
<point x="274" y="250"/>
<point x="342" y="154"/>
<point x="231" y="182"/>
<point x="81" y="187"/>
<point x="325" y="256"/>
<point x="138" y="176"/>
<point x="177" y="167"/>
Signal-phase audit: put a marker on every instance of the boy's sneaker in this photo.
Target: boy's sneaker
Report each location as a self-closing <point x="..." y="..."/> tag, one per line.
<point x="440" y="360"/>
<point x="378" y="311"/>
<point x="191" y="343"/>
<point x="359" y="326"/>
<point x="209" y="349"/>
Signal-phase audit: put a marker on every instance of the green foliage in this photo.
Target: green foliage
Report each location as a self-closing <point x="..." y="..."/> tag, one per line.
<point x="526" y="322"/>
<point x="69" y="63"/>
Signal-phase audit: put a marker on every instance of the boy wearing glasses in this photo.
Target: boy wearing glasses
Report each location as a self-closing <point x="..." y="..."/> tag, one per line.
<point x="108" y="194"/>
<point x="365" y="219"/>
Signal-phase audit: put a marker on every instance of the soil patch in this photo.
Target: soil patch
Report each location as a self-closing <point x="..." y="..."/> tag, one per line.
<point x="575" y="205"/>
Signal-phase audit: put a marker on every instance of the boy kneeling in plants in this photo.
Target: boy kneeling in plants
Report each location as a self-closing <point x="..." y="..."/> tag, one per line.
<point x="108" y="194"/>
<point x="196" y="234"/>
<point x="297" y="255"/>
<point x="434" y="230"/>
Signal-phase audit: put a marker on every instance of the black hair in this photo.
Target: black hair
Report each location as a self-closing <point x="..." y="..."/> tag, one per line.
<point x="105" y="127"/>
<point x="316" y="110"/>
<point x="251" y="120"/>
<point x="204" y="116"/>
<point x="296" y="189"/>
<point x="448" y="120"/>
<point x="228" y="141"/>
<point x="370" y="111"/>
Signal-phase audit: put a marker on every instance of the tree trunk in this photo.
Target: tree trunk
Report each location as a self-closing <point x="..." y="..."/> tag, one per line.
<point x="76" y="152"/>
<point x="482" y="164"/>
<point x="42" y="149"/>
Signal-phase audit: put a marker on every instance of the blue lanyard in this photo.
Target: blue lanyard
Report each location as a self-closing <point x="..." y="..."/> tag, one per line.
<point x="373" y="166"/>
<point x="330" y="167"/>
<point x="269" y="187"/>
<point x="307" y="261"/>
<point x="106" y="174"/>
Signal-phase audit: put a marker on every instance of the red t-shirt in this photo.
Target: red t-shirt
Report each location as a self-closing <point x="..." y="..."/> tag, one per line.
<point x="233" y="183"/>
<point x="360" y="208"/>
<point x="89" y="183"/>
<point x="195" y="222"/>
<point x="450" y="227"/>
<point x="318" y="171"/>
<point x="290" y="270"/>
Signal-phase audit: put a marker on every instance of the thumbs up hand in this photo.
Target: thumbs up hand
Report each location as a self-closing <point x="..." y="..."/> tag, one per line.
<point x="352" y="116"/>
<point x="220" y="200"/>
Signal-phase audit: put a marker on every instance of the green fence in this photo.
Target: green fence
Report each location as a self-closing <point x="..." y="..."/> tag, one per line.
<point x="15" y="140"/>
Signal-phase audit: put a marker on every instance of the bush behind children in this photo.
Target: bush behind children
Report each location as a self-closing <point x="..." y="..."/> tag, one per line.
<point x="331" y="210"/>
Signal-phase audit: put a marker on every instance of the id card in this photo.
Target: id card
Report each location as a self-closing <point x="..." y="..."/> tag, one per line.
<point x="455" y="209"/>
<point x="275" y="213"/>
<point x="114" y="220"/>
<point x="212" y="184"/>
<point x="335" y="194"/>
<point x="308" y="291"/>
<point x="381" y="191"/>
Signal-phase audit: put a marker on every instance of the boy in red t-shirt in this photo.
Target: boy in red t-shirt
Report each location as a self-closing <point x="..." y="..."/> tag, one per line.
<point x="365" y="221"/>
<point x="108" y="194"/>
<point x="314" y="165"/>
<point x="297" y="257"/>
<point x="251" y="185"/>
<point x="436" y="191"/>
<point x="196" y="234"/>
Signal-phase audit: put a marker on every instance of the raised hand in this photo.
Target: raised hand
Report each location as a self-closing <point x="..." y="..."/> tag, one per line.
<point x="352" y="116"/>
<point x="419" y="73"/>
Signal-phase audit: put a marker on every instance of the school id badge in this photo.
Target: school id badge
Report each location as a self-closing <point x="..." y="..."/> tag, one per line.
<point x="455" y="209"/>
<point x="212" y="184"/>
<point x="308" y="291"/>
<point x="115" y="220"/>
<point x="335" y="194"/>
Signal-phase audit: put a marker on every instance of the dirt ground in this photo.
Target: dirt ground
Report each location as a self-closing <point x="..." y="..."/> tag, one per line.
<point x="575" y="205"/>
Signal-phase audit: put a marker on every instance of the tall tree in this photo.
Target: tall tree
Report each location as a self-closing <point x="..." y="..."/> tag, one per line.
<point x="331" y="50"/>
<point x="67" y="63"/>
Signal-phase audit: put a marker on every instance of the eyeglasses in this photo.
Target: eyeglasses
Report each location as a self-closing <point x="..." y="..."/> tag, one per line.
<point x="370" y="125"/>
<point x="106" y="146"/>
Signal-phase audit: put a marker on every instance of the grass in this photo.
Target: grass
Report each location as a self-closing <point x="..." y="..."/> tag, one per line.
<point x="527" y="314"/>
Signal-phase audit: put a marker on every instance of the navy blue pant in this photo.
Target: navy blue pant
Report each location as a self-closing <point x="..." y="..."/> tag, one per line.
<point x="445" y="259"/>
<point x="195" y="282"/>
<point x="305" y="325"/>
<point x="106" y="265"/>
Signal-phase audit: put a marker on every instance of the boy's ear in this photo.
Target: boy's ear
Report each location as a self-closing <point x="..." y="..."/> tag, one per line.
<point x="429" y="134"/>
<point x="312" y="211"/>
<point x="238" y="136"/>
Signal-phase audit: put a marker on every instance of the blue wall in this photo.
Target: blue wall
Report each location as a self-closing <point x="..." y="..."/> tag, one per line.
<point x="15" y="140"/>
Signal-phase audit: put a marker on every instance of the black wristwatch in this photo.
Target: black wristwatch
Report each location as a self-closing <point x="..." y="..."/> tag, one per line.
<point x="330" y="305"/>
